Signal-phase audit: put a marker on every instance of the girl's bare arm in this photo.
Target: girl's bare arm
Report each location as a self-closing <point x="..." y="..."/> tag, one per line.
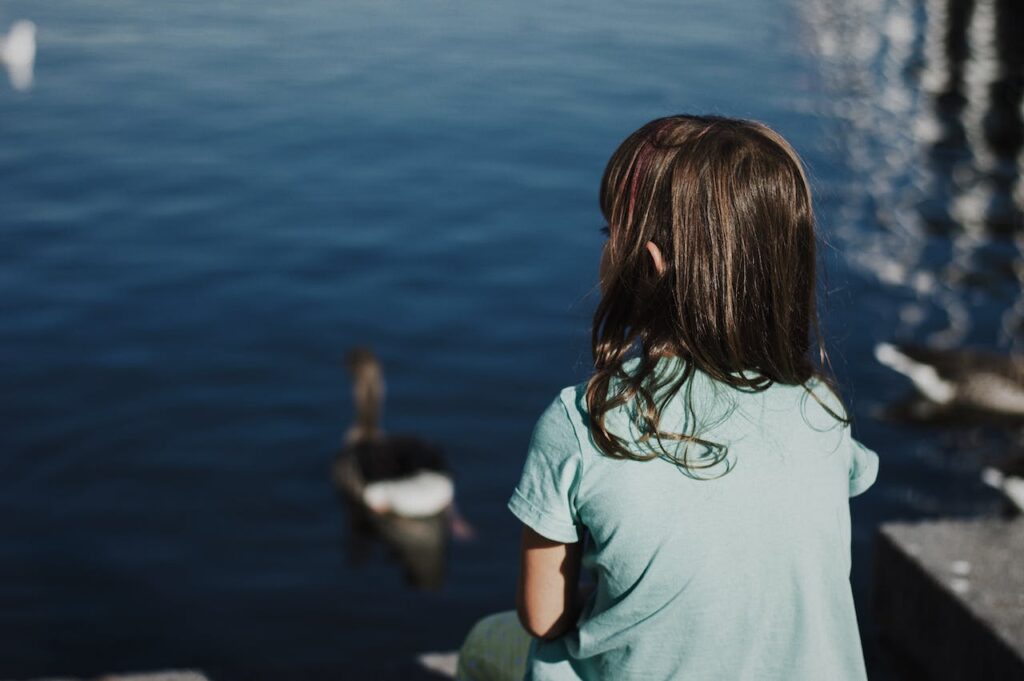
<point x="547" y="599"/>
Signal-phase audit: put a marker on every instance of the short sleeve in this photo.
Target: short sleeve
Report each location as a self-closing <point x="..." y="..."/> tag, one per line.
<point x="863" y="468"/>
<point x="545" y="498"/>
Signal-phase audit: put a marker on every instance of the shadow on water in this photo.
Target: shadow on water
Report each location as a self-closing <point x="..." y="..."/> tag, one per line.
<point x="929" y="102"/>
<point x="418" y="545"/>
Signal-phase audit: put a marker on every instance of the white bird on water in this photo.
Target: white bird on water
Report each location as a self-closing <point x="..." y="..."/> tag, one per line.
<point x="18" y="53"/>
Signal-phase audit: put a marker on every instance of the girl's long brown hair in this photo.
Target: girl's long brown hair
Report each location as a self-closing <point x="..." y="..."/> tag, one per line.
<point x="728" y="203"/>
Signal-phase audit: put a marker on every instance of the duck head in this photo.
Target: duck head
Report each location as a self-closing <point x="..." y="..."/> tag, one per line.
<point x="367" y="395"/>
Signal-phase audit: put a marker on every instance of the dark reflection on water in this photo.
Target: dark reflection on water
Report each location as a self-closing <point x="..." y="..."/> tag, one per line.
<point x="419" y="544"/>
<point x="928" y="107"/>
<point x="940" y="94"/>
<point x="203" y="202"/>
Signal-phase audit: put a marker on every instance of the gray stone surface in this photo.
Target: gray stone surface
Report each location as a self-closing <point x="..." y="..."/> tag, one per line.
<point x="949" y="595"/>
<point x="157" y="676"/>
<point x="186" y="675"/>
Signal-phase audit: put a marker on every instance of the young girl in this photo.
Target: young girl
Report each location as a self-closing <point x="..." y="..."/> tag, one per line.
<point x="703" y="472"/>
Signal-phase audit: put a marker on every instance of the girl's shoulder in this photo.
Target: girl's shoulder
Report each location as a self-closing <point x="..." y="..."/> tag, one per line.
<point x="561" y="419"/>
<point x="564" y="425"/>
<point x="568" y="411"/>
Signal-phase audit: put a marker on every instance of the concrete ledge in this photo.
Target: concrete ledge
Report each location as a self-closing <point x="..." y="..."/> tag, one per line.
<point x="143" y="676"/>
<point x="949" y="596"/>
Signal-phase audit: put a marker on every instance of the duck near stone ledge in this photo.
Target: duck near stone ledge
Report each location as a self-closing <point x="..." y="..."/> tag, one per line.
<point x="961" y="380"/>
<point x="972" y="385"/>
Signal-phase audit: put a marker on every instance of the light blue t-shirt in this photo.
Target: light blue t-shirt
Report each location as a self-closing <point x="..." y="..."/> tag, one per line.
<point x="741" y="577"/>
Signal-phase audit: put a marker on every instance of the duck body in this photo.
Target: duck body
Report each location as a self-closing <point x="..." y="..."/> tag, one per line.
<point x="397" y="456"/>
<point x="402" y="475"/>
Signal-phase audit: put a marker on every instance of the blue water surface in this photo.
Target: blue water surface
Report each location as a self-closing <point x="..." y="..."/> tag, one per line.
<point x="204" y="204"/>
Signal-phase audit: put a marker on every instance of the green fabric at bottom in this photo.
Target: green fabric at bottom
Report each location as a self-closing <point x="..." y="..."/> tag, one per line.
<point x="495" y="650"/>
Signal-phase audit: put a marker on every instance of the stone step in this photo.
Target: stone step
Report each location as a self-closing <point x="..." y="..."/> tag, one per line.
<point x="948" y="596"/>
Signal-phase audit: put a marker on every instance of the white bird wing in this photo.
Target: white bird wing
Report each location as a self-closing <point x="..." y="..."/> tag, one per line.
<point x="423" y="494"/>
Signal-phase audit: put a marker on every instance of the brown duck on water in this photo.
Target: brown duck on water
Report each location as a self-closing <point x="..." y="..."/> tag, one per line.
<point x="398" y="486"/>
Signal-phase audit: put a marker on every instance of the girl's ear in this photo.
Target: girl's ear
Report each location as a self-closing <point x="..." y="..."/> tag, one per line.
<point x="659" y="261"/>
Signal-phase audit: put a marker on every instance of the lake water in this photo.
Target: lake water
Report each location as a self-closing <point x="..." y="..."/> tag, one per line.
<point x="204" y="204"/>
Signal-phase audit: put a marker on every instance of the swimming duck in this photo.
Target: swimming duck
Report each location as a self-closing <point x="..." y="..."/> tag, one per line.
<point x="396" y="475"/>
<point x="965" y="380"/>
